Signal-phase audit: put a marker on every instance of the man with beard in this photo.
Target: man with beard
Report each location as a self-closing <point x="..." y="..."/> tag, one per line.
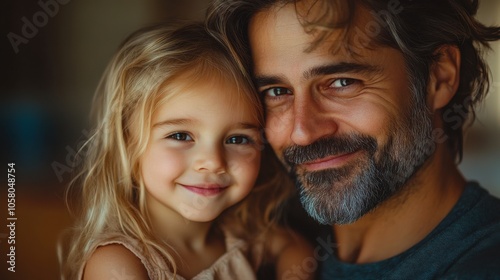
<point x="365" y="104"/>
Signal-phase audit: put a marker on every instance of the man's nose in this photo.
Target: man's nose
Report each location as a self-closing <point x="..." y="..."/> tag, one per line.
<point x="311" y="120"/>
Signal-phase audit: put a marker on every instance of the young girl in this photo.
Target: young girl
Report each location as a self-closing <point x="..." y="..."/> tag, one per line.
<point x="171" y="187"/>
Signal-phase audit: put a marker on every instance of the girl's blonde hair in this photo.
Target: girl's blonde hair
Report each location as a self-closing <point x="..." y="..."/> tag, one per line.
<point x="109" y="190"/>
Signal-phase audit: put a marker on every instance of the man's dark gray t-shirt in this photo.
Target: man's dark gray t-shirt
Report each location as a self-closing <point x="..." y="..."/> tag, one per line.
<point x="465" y="245"/>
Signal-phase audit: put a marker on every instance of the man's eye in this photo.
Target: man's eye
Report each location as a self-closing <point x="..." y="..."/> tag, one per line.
<point x="180" y="136"/>
<point x="240" y="140"/>
<point x="276" y="91"/>
<point x="342" y="82"/>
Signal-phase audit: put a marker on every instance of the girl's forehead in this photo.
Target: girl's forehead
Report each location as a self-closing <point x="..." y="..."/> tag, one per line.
<point x="207" y="103"/>
<point x="197" y="80"/>
<point x="210" y="74"/>
<point x="212" y="88"/>
<point x="226" y="83"/>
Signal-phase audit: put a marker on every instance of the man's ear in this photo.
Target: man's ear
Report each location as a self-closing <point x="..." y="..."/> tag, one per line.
<point x="444" y="77"/>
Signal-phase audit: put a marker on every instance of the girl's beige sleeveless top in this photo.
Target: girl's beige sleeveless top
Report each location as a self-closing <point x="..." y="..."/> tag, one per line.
<point x="234" y="264"/>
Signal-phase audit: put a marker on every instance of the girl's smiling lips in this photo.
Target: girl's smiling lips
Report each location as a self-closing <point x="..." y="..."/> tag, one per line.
<point x="328" y="162"/>
<point x="205" y="189"/>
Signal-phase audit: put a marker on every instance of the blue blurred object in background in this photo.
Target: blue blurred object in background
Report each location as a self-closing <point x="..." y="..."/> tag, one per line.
<point x="27" y="127"/>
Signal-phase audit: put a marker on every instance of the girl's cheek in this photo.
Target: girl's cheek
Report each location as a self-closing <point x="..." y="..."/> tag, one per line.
<point x="244" y="158"/>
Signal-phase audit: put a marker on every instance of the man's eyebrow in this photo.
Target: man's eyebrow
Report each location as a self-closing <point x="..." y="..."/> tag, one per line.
<point x="343" y="67"/>
<point x="262" y="81"/>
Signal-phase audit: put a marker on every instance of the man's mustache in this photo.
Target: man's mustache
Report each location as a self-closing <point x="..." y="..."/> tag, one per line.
<point x="328" y="146"/>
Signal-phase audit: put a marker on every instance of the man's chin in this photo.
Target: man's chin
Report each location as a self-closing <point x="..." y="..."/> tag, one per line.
<point x="322" y="211"/>
<point x="335" y="204"/>
<point x="341" y="196"/>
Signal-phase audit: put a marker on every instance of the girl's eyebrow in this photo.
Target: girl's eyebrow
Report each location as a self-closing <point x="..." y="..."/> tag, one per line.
<point x="173" y="122"/>
<point x="244" y="125"/>
<point x="241" y="125"/>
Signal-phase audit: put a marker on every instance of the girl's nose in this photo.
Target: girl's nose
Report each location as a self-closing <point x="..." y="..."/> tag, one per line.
<point x="210" y="159"/>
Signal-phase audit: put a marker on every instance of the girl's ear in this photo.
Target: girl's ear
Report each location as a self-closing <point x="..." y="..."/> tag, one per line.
<point x="444" y="77"/>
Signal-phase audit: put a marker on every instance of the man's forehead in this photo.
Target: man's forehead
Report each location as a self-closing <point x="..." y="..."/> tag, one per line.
<point x="282" y="29"/>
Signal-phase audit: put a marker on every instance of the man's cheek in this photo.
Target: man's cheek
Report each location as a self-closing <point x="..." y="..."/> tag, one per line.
<point x="277" y="130"/>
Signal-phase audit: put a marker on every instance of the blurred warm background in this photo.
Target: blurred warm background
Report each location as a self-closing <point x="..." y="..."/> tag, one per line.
<point x="46" y="88"/>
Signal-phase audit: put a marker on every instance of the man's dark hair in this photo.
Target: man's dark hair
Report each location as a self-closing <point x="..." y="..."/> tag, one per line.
<point x="417" y="28"/>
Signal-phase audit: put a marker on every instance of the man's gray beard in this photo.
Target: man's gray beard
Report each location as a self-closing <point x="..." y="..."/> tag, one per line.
<point x="328" y="200"/>
<point x="343" y="195"/>
<point x="338" y="196"/>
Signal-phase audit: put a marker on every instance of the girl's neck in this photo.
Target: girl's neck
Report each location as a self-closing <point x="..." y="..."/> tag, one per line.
<point x="181" y="233"/>
<point x="200" y="241"/>
<point x="190" y="236"/>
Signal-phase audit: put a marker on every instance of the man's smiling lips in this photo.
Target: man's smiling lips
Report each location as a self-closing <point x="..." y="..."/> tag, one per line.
<point x="333" y="161"/>
<point x="205" y="189"/>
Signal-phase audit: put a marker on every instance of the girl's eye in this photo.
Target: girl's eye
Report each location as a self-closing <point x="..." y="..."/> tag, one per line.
<point x="180" y="136"/>
<point x="276" y="91"/>
<point x="342" y="82"/>
<point x="239" y="140"/>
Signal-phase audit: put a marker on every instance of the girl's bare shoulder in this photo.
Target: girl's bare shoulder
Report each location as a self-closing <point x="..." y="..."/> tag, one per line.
<point x="114" y="261"/>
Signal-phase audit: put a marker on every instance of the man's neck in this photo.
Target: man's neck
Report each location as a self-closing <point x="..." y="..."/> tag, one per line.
<point x="404" y="220"/>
